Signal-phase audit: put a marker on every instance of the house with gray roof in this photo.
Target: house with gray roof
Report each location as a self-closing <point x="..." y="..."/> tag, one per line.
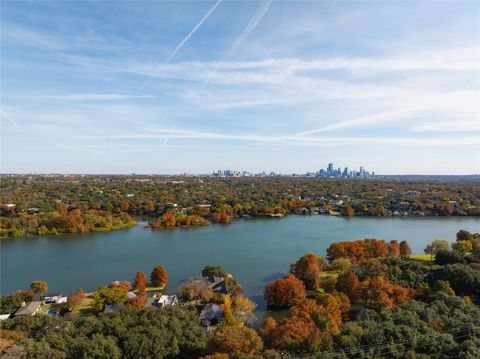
<point x="31" y="308"/>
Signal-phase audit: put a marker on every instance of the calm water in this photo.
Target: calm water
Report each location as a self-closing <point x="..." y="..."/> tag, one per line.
<point x="253" y="250"/>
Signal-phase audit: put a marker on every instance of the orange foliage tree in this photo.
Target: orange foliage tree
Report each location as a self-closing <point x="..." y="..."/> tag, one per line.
<point x="235" y="339"/>
<point x="377" y="293"/>
<point x="304" y="329"/>
<point x="285" y="292"/>
<point x="349" y="284"/>
<point x="140" y="281"/>
<point x="308" y="269"/>
<point x="358" y="251"/>
<point x="159" y="276"/>
<point x="393" y="249"/>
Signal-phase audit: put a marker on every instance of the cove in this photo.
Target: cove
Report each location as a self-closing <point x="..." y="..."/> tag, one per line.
<point x="254" y="250"/>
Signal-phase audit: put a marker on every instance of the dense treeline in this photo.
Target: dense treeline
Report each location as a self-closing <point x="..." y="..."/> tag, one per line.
<point x="63" y="221"/>
<point x="185" y="201"/>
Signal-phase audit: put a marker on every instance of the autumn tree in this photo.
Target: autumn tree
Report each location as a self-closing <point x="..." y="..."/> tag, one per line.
<point x="405" y="250"/>
<point x="393" y="249"/>
<point x="463" y="235"/>
<point x="243" y="309"/>
<point x="61" y="208"/>
<point x="377" y="293"/>
<point x="195" y="290"/>
<point x="347" y="211"/>
<point x="159" y="277"/>
<point x="39" y="287"/>
<point x="140" y="281"/>
<point x="235" y="339"/>
<point x="305" y="329"/>
<point x="349" y="284"/>
<point x="308" y="269"/>
<point x="285" y="292"/>
<point x="75" y="299"/>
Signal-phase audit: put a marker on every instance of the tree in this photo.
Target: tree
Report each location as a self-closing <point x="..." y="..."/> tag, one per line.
<point x="349" y="284"/>
<point x="75" y="298"/>
<point x="443" y="286"/>
<point x="243" y="309"/>
<point x="393" y="249"/>
<point x="110" y="296"/>
<point x="347" y="211"/>
<point x="140" y="281"/>
<point x="39" y="287"/>
<point x="235" y="339"/>
<point x="463" y="247"/>
<point x="436" y="246"/>
<point x="217" y="271"/>
<point x="285" y="292"/>
<point x="159" y="277"/>
<point x="377" y="293"/>
<point x="195" y="290"/>
<point x="305" y="329"/>
<point x="449" y="257"/>
<point x="62" y="209"/>
<point x="405" y="250"/>
<point x="308" y="269"/>
<point x="463" y="235"/>
<point x="341" y="264"/>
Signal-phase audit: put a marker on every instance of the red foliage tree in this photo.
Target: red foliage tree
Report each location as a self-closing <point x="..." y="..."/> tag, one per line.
<point x="377" y="293"/>
<point x="393" y="249"/>
<point x="405" y="250"/>
<point x="308" y="269"/>
<point x="285" y="292"/>
<point x="349" y="284"/>
<point x="140" y="281"/>
<point x="159" y="276"/>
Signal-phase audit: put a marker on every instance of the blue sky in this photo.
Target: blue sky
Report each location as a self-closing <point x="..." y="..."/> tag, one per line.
<point x="174" y="87"/>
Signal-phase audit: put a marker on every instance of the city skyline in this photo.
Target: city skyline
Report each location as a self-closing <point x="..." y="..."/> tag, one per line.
<point x="164" y="87"/>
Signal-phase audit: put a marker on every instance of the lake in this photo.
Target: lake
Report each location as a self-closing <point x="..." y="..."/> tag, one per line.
<point x="255" y="251"/>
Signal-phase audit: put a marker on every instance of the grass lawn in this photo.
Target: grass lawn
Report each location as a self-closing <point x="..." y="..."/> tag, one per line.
<point x="85" y="307"/>
<point x="152" y="289"/>
<point x="422" y="258"/>
<point x="330" y="273"/>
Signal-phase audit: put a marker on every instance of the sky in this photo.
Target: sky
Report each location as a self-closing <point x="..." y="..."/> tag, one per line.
<point x="194" y="87"/>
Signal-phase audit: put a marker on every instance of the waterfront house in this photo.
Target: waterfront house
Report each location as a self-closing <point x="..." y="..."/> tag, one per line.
<point x="166" y="300"/>
<point x="211" y="314"/>
<point x="217" y="284"/>
<point x="31" y="308"/>
<point x="52" y="298"/>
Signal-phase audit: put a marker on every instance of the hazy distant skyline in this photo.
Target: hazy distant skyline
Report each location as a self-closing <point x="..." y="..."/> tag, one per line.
<point x="175" y="87"/>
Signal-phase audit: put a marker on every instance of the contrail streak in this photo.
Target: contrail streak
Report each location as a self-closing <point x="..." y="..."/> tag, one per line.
<point x="254" y="21"/>
<point x="180" y="45"/>
<point x="10" y="119"/>
<point x="200" y="23"/>
<point x="169" y="135"/>
<point x="252" y="24"/>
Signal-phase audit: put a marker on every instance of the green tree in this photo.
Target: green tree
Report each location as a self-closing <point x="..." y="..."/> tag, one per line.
<point x="463" y="247"/>
<point x="110" y="296"/>
<point x="436" y="246"/>
<point x="39" y="287"/>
